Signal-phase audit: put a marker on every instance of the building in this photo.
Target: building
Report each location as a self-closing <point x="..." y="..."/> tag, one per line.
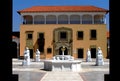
<point x="15" y="44"/>
<point x="108" y="44"/>
<point x="49" y="28"/>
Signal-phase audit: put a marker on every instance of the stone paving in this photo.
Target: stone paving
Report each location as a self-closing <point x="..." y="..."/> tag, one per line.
<point x="62" y="76"/>
<point x="35" y="72"/>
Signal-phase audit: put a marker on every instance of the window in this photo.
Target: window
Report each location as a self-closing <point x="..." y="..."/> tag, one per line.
<point x="93" y="34"/>
<point x="63" y="35"/>
<point x="93" y="51"/>
<point x="80" y="52"/>
<point x="41" y="35"/>
<point x="80" y="35"/>
<point x="49" y="50"/>
<point x="29" y="36"/>
<point x="41" y="42"/>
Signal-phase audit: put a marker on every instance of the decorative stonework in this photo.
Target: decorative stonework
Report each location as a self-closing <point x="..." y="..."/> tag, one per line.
<point x="65" y="41"/>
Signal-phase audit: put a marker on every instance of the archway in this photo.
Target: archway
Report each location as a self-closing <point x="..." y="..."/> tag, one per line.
<point x="65" y="52"/>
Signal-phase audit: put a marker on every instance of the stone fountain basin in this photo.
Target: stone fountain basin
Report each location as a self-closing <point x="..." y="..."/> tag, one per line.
<point x="62" y="65"/>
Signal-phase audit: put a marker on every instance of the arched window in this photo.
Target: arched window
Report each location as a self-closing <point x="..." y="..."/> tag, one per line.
<point x="86" y="19"/>
<point x="62" y="19"/>
<point x="74" y="19"/>
<point x="98" y="19"/>
<point x="50" y="19"/>
<point x="39" y="19"/>
<point x="27" y="19"/>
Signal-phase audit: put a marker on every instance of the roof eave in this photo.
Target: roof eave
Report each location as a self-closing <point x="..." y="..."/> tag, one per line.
<point x="19" y="12"/>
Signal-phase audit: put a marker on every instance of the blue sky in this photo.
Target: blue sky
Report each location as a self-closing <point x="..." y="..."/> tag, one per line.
<point x="21" y="4"/>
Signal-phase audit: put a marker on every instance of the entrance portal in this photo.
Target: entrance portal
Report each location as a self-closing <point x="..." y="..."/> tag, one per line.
<point x="65" y="52"/>
<point x="62" y="36"/>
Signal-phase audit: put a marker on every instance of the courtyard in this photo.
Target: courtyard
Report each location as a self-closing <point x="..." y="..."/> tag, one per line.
<point x="35" y="71"/>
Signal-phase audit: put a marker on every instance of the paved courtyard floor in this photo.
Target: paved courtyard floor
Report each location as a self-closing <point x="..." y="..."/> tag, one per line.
<point x="35" y="72"/>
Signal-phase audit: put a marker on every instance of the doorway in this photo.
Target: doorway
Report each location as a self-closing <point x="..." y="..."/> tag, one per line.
<point x="31" y="53"/>
<point x="93" y="52"/>
<point x="80" y="53"/>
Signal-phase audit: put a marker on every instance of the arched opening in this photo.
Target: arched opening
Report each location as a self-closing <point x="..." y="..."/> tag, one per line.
<point x="74" y="19"/>
<point x="62" y="19"/>
<point x="39" y="19"/>
<point x="65" y="52"/>
<point x="86" y="19"/>
<point x="50" y="19"/>
<point x="27" y="19"/>
<point x="98" y="19"/>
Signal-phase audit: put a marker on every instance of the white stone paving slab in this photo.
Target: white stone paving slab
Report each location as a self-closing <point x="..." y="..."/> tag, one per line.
<point x="62" y="76"/>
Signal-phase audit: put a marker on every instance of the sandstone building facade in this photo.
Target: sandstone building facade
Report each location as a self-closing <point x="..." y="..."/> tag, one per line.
<point x="48" y="28"/>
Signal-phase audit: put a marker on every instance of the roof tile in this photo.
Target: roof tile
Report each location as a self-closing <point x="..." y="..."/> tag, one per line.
<point x="63" y="9"/>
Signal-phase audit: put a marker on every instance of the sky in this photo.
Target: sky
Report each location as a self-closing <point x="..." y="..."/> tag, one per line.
<point x="22" y="4"/>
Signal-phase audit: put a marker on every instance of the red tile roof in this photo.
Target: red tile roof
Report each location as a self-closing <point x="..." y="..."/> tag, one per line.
<point x="63" y="9"/>
<point x="14" y="37"/>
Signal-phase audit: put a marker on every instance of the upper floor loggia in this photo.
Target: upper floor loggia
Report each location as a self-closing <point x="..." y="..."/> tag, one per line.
<point x="63" y="15"/>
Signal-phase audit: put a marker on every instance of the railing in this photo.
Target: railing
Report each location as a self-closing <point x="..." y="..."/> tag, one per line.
<point x="98" y="22"/>
<point x="39" y="22"/>
<point x="74" y="22"/>
<point x="86" y="22"/>
<point x="64" y="22"/>
<point x="50" y="22"/>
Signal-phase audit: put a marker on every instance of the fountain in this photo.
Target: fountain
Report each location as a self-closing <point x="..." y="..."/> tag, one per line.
<point x="62" y="63"/>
